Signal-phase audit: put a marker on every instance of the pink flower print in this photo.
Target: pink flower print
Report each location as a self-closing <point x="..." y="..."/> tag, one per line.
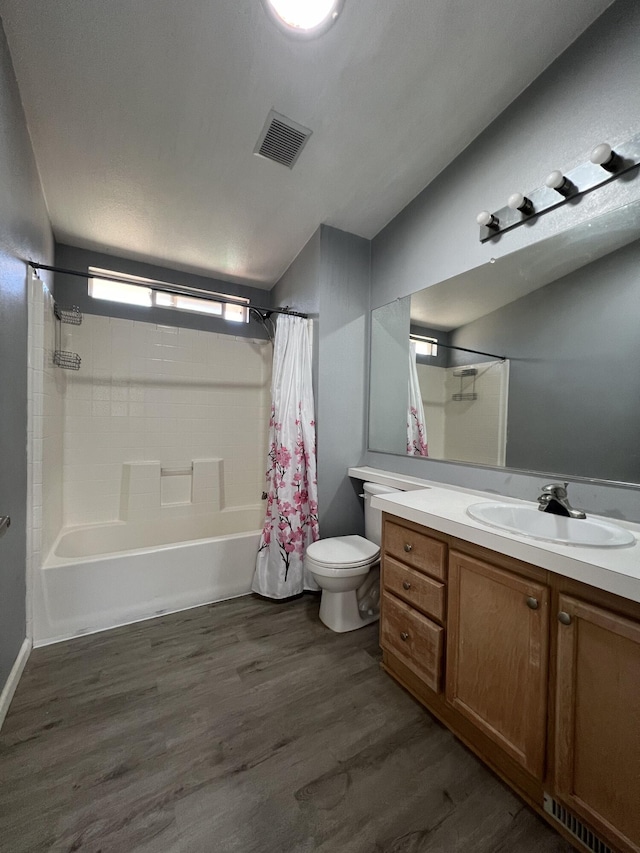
<point x="301" y="497"/>
<point x="283" y="457"/>
<point x="290" y="523"/>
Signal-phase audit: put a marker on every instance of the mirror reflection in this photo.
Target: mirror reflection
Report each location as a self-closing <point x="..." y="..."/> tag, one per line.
<point x="529" y="363"/>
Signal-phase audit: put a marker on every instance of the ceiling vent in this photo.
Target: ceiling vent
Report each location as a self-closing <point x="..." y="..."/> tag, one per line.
<point x="282" y="140"/>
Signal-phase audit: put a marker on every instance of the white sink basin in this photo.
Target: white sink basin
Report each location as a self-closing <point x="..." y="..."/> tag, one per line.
<point x="529" y="521"/>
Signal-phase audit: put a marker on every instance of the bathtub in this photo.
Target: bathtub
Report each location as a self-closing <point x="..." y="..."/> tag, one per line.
<point x="101" y="576"/>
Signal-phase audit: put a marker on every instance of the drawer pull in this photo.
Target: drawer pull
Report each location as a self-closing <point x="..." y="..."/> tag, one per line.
<point x="532" y="603"/>
<point x="408" y="547"/>
<point x="406" y="585"/>
<point x="404" y="636"/>
<point x="564" y="618"/>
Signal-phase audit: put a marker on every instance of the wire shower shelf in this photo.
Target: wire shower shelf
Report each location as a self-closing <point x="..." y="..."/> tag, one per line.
<point x="72" y="316"/>
<point x="67" y="360"/>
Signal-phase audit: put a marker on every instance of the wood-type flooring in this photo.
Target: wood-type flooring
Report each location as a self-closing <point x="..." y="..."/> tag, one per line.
<point x="241" y="727"/>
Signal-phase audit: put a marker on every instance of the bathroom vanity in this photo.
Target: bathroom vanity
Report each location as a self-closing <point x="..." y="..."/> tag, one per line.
<point x="534" y="669"/>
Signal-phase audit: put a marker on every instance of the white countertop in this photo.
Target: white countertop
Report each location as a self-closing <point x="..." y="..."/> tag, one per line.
<point x="442" y="507"/>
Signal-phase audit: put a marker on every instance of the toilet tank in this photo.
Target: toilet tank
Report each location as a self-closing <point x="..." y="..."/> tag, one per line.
<point x="373" y="517"/>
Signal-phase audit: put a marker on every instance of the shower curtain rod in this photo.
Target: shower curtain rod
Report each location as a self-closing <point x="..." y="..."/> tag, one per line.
<point x="164" y="287"/>
<point x="451" y="346"/>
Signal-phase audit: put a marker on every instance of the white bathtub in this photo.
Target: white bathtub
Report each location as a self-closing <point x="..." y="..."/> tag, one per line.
<point x="101" y="576"/>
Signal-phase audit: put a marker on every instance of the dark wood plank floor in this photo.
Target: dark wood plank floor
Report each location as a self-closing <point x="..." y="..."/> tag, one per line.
<point x="241" y="727"/>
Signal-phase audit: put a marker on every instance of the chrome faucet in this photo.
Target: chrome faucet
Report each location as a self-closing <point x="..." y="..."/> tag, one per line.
<point x="554" y="499"/>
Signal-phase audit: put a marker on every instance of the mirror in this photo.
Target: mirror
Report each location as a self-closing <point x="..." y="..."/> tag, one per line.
<point x="530" y="363"/>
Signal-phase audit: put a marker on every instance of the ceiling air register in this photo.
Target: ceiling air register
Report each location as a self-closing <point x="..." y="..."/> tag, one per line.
<point x="282" y="140"/>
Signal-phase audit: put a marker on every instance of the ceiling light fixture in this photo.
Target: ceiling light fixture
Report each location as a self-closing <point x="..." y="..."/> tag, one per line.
<point x="304" y="18"/>
<point x="605" y="165"/>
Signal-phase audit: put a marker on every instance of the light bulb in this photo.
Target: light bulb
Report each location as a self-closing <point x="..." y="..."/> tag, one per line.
<point x="517" y="201"/>
<point x="555" y="180"/>
<point x="601" y="154"/>
<point x="487" y="219"/>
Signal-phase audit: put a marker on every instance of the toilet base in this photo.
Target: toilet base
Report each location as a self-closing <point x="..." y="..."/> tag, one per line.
<point x="339" y="611"/>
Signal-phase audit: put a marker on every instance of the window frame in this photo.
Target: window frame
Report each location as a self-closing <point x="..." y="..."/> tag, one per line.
<point x="226" y="303"/>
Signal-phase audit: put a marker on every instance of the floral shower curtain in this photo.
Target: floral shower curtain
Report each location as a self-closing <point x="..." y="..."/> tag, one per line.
<point x="291" y="522"/>
<point x="416" y="427"/>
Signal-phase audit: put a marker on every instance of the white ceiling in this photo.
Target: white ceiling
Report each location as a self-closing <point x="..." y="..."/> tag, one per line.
<point x="144" y="115"/>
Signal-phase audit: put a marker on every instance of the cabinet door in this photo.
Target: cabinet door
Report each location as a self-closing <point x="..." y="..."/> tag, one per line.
<point x="597" y="741"/>
<point x="497" y="656"/>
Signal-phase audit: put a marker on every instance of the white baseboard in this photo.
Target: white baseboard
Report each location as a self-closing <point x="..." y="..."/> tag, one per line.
<point x="14" y="677"/>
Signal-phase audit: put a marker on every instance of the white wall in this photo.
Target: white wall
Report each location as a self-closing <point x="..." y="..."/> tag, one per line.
<point x="146" y="392"/>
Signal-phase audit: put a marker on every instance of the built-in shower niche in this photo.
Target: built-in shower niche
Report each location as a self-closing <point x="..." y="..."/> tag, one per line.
<point x="151" y="491"/>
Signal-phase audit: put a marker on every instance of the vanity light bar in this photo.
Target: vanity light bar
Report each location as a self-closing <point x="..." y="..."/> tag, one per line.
<point x="605" y="165"/>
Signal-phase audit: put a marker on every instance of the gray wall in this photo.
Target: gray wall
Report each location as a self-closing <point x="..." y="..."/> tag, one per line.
<point x="329" y="280"/>
<point x="389" y="376"/>
<point x="443" y="356"/>
<point x="342" y="364"/>
<point x="24" y="234"/>
<point x="589" y="94"/>
<point x="574" y="398"/>
<point x="299" y="288"/>
<point x="72" y="290"/>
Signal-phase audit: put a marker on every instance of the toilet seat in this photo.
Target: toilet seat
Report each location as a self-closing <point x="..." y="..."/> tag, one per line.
<point x="343" y="552"/>
<point x="339" y="571"/>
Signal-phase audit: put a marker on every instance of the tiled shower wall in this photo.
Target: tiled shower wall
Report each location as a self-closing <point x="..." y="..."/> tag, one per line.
<point x="466" y="431"/>
<point x="54" y="384"/>
<point x="47" y="385"/>
<point x="148" y="392"/>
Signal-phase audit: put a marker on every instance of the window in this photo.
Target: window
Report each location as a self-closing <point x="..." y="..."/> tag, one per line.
<point x="425" y="346"/>
<point x="142" y="292"/>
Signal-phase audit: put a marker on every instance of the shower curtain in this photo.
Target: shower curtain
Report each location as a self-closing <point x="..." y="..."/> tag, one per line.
<point x="291" y="521"/>
<point x="416" y="427"/>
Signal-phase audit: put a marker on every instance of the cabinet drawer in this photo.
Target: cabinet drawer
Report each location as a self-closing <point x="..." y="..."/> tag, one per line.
<point x="413" y="638"/>
<point x="417" y="550"/>
<point x="415" y="588"/>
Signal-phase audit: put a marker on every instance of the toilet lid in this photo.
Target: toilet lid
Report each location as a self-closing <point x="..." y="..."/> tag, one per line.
<point x="343" y="551"/>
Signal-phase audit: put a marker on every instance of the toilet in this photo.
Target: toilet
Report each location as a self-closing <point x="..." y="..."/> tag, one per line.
<point x="347" y="570"/>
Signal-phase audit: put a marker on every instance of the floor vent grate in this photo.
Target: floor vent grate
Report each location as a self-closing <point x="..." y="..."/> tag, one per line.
<point x="282" y="140"/>
<point x="575" y="826"/>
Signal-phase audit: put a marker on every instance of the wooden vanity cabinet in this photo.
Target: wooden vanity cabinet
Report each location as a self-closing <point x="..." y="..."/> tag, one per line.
<point x="413" y="601"/>
<point x="597" y="719"/>
<point x="497" y="656"/>
<point x="537" y="674"/>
